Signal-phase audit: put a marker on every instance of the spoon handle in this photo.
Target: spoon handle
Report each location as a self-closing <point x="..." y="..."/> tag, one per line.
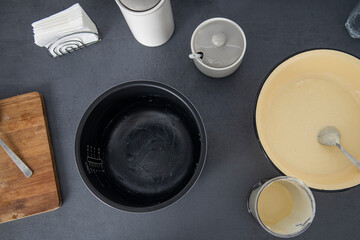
<point x="352" y="159"/>
<point x="21" y="165"/>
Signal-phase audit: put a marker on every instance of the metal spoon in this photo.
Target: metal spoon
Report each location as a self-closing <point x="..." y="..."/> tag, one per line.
<point x="195" y="55"/>
<point x="330" y="136"/>
<point x="21" y="165"/>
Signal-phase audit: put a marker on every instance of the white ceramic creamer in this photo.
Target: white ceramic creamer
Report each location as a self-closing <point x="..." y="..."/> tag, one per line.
<point x="218" y="47"/>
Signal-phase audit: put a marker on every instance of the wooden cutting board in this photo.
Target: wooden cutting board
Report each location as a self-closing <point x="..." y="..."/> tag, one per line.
<point x="23" y="127"/>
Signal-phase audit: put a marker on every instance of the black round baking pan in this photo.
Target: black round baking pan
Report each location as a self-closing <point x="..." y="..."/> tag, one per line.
<point x="255" y="105"/>
<point x="140" y="146"/>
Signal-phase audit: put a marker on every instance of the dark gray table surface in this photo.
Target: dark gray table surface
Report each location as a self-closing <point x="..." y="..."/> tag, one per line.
<point x="216" y="206"/>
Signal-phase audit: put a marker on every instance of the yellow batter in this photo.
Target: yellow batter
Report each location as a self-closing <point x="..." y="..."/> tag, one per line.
<point x="275" y="203"/>
<point x="304" y="94"/>
<point x="284" y="207"/>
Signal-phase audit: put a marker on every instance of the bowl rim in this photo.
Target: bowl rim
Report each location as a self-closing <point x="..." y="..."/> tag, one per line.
<point x="255" y="107"/>
<point x="203" y="144"/>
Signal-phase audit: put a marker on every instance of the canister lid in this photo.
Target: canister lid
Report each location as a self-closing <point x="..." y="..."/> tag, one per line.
<point x="220" y="41"/>
<point x="139" y="5"/>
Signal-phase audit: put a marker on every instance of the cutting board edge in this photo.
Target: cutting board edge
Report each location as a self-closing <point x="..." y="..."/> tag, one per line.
<point x="49" y="210"/>
<point x="51" y="151"/>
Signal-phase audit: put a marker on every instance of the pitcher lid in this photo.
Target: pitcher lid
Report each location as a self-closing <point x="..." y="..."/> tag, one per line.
<point x="139" y="5"/>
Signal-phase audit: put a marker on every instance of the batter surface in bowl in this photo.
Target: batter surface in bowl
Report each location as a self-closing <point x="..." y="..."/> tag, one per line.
<point x="304" y="94"/>
<point x="300" y="111"/>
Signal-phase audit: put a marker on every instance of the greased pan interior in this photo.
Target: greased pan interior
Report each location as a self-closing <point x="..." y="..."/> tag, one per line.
<point x="140" y="146"/>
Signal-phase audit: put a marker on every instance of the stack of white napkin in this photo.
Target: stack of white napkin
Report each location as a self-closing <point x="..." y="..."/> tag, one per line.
<point x="65" y="31"/>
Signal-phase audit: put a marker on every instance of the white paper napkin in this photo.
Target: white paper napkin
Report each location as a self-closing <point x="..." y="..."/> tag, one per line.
<point x="65" y="31"/>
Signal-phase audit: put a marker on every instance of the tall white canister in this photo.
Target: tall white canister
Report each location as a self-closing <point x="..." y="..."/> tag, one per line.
<point x="150" y="21"/>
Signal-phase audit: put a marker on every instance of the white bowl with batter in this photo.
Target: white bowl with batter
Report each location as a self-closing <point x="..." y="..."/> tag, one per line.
<point x="302" y="95"/>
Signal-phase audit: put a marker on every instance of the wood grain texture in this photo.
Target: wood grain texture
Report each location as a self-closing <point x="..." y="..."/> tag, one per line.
<point x="23" y="127"/>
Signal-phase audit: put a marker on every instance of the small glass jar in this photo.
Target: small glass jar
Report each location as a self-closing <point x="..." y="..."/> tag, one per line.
<point x="283" y="206"/>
